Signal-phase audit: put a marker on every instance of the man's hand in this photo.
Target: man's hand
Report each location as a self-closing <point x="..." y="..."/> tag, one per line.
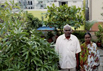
<point x="77" y="60"/>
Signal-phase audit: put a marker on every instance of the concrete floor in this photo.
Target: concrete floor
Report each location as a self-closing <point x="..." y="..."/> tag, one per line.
<point x="101" y="59"/>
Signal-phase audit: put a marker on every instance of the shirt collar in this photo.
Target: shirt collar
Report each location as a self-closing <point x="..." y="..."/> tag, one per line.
<point x="66" y="38"/>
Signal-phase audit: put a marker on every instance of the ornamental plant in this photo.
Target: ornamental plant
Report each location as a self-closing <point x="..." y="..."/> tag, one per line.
<point x="20" y="50"/>
<point x="99" y="33"/>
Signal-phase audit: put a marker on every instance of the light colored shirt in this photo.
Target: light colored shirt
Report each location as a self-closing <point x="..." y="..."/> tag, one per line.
<point x="67" y="48"/>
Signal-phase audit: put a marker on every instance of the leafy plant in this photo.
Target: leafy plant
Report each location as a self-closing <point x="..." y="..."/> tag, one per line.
<point x="49" y="34"/>
<point x="33" y="22"/>
<point x="80" y="35"/>
<point x="99" y="33"/>
<point x="89" y="24"/>
<point x="60" y="16"/>
<point x="27" y="54"/>
<point x="19" y="50"/>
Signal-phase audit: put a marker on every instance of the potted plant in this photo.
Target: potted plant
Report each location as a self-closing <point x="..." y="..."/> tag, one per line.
<point x="99" y="35"/>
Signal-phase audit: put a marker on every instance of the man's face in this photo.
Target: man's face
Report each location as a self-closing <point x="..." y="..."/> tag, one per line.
<point x="67" y="31"/>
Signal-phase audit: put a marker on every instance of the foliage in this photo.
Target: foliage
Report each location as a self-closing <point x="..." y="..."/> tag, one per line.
<point x="80" y="35"/>
<point x="84" y="6"/>
<point x="59" y="16"/>
<point x="94" y="40"/>
<point x="33" y="22"/>
<point x="20" y="52"/>
<point x="99" y="33"/>
<point x="26" y="54"/>
<point x="89" y="24"/>
<point x="49" y="34"/>
<point x="10" y="18"/>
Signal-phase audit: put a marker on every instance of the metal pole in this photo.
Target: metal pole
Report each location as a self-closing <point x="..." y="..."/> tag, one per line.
<point x="87" y="11"/>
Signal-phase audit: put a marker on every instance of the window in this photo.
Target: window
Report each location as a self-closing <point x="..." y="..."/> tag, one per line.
<point x="41" y="5"/>
<point x="19" y="2"/>
<point x="63" y="3"/>
<point x="30" y="3"/>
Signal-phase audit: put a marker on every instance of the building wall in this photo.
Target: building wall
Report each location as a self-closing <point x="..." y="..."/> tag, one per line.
<point x="95" y="9"/>
<point x="2" y="1"/>
<point x="78" y="3"/>
<point x="41" y="4"/>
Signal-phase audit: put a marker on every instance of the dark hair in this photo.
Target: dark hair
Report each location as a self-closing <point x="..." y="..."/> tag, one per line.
<point x="88" y="34"/>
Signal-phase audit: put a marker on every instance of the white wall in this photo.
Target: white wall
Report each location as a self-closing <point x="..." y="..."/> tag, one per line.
<point x="96" y="10"/>
<point x="2" y="1"/>
<point x="50" y="4"/>
<point x="77" y="4"/>
<point x="70" y="3"/>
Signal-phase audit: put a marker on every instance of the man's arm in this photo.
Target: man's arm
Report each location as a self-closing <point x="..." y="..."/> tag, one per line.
<point x="78" y="61"/>
<point x="78" y="55"/>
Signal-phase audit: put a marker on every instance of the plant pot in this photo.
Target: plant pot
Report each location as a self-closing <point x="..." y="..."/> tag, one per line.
<point x="50" y="40"/>
<point x="102" y="45"/>
<point x="98" y="44"/>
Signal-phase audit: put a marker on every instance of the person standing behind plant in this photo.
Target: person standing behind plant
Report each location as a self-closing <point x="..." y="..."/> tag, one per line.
<point x="89" y="56"/>
<point x="68" y="47"/>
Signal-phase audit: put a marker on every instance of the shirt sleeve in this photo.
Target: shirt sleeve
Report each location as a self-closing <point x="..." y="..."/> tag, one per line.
<point x="57" y="46"/>
<point x="78" y="47"/>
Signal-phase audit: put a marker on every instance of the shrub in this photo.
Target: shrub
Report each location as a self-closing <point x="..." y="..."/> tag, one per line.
<point x="80" y="35"/>
<point x="19" y="50"/>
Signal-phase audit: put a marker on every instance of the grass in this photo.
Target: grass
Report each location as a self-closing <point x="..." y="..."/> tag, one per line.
<point x="38" y="14"/>
<point x="81" y="28"/>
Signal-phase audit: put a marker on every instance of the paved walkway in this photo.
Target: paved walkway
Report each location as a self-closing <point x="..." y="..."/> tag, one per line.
<point x="101" y="59"/>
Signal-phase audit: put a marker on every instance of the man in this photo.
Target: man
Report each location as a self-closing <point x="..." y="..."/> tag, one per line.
<point x="68" y="47"/>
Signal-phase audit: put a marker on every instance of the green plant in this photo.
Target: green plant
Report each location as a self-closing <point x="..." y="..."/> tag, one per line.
<point x="27" y="54"/>
<point x="60" y="16"/>
<point x="19" y="50"/>
<point x="89" y="24"/>
<point x="49" y="34"/>
<point x="99" y="33"/>
<point x="80" y="35"/>
<point x="84" y="7"/>
<point x="94" y="40"/>
<point x="33" y="22"/>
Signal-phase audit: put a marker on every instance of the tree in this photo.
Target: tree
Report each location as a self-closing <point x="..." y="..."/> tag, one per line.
<point x="32" y="22"/>
<point x="59" y="16"/>
<point x="20" y="52"/>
